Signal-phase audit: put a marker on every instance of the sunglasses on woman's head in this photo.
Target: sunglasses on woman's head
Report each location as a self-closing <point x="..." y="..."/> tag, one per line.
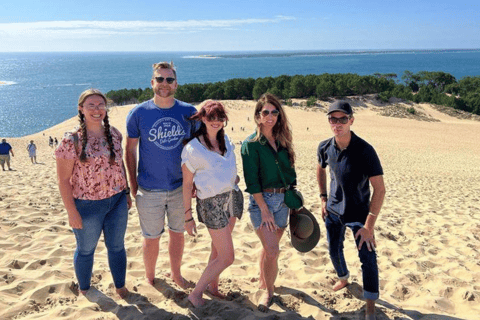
<point x="169" y="80"/>
<point x="274" y="113"/>
<point x="342" y="120"/>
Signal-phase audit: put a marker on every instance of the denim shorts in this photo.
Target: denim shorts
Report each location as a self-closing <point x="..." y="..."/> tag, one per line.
<point x="152" y="207"/>
<point x="276" y="205"/>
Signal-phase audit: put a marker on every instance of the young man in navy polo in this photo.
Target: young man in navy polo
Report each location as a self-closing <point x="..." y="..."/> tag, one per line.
<point x="354" y="165"/>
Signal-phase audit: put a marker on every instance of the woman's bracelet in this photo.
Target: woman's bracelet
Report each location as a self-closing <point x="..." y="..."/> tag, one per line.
<point x="191" y="219"/>
<point x="188" y="210"/>
<point x="375" y="215"/>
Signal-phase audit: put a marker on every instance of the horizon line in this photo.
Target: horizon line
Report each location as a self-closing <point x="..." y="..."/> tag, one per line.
<point x="256" y="50"/>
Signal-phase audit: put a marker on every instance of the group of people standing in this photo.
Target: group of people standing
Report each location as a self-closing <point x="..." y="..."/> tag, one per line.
<point x="6" y="150"/>
<point x="184" y="153"/>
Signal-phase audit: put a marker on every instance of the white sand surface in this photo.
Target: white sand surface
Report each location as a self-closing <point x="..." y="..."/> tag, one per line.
<point x="428" y="233"/>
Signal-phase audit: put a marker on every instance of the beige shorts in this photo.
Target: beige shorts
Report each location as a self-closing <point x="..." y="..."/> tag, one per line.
<point x="152" y="206"/>
<point x="4" y="158"/>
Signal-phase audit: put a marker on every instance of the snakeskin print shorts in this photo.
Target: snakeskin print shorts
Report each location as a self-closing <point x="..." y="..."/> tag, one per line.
<point x="215" y="212"/>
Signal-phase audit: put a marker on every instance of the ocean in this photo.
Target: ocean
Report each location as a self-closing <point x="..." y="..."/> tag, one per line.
<point x="39" y="90"/>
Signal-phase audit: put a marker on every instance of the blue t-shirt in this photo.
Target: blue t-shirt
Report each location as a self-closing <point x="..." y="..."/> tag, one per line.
<point x="5" y="148"/>
<point x="350" y="171"/>
<point x="161" y="133"/>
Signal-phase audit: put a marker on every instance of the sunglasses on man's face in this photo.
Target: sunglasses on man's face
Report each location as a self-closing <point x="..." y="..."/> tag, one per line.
<point x="274" y="113"/>
<point x="342" y="120"/>
<point x="169" y="80"/>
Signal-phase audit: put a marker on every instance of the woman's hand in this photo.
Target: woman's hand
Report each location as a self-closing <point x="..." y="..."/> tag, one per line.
<point x="194" y="190"/>
<point x="268" y="221"/>
<point x="129" y="201"/>
<point x="75" y="220"/>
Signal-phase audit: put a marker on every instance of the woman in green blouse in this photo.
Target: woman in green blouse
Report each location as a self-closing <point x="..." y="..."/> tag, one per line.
<point x="271" y="142"/>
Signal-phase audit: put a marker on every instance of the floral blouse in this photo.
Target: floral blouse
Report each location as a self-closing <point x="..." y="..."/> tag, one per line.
<point x="95" y="179"/>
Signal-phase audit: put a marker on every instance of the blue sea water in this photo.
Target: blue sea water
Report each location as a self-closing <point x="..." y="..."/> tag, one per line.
<point x="39" y="90"/>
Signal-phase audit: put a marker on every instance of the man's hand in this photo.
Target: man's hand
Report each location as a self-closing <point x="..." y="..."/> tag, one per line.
<point x="191" y="227"/>
<point x="366" y="236"/>
<point x="133" y="188"/>
<point x="324" y="209"/>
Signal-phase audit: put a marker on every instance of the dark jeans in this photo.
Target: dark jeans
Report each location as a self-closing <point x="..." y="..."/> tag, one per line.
<point x="110" y="216"/>
<point x="335" y="236"/>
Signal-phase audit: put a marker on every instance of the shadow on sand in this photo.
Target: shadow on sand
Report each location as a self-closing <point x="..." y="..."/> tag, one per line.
<point x="139" y="307"/>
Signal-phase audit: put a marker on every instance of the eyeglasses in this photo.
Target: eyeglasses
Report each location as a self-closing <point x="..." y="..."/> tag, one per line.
<point x="342" y="120"/>
<point x="274" y="113"/>
<point x="92" y="107"/>
<point x="169" y="80"/>
<point x="214" y="118"/>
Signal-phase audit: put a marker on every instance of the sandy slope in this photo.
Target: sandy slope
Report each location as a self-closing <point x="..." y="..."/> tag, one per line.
<point x="428" y="234"/>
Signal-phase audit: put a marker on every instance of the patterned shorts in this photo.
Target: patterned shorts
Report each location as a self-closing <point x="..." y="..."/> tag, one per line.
<point x="215" y="212"/>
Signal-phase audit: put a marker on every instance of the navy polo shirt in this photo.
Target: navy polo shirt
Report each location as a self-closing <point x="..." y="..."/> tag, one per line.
<point x="5" y="148"/>
<point x="350" y="171"/>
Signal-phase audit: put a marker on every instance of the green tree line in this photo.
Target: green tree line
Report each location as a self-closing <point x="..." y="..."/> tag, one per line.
<point x="425" y="86"/>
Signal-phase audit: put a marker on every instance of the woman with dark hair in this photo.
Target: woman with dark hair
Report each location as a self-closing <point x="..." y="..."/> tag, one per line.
<point x="208" y="160"/>
<point x="263" y="152"/>
<point x="93" y="186"/>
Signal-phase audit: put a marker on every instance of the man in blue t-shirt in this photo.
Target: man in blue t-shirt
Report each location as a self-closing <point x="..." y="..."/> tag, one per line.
<point x="158" y="127"/>
<point x="5" y="150"/>
<point x="354" y="165"/>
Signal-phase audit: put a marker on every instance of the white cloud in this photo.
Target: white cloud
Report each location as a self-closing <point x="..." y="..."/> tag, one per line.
<point x="73" y="29"/>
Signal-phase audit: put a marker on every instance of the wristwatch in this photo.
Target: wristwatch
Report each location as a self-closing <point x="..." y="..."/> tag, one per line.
<point x="323" y="195"/>
<point x="127" y="190"/>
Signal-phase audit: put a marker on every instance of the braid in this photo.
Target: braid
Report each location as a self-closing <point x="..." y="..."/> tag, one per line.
<point x="108" y="134"/>
<point x="83" y="128"/>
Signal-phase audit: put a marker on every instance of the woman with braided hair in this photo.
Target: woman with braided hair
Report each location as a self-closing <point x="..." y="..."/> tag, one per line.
<point x="93" y="186"/>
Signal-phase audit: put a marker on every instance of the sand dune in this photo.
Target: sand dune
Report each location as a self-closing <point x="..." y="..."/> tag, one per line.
<point x="428" y="233"/>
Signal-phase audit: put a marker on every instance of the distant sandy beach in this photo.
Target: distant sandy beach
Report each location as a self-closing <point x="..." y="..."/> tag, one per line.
<point x="428" y="232"/>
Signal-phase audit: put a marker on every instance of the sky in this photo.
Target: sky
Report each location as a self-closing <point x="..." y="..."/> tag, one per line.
<point x="239" y="25"/>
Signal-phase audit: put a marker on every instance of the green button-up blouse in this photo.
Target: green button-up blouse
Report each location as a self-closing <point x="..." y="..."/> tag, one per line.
<point x="259" y="167"/>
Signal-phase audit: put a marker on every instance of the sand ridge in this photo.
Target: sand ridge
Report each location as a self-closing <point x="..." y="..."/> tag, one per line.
<point x="428" y="233"/>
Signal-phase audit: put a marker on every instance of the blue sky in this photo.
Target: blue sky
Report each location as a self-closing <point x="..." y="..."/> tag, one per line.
<point x="212" y="26"/>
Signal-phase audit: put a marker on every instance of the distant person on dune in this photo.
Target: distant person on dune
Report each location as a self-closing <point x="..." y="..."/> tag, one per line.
<point x="5" y="151"/>
<point x="32" y="152"/>
<point x="93" y="185"/>
<point x="354" y="166"/>
<point x="157" y="128"/>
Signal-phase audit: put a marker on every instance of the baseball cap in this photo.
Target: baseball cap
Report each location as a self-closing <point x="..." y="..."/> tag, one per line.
<point x="341" y="106"/>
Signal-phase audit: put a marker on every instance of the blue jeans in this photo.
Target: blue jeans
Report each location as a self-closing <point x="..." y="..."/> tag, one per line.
<point x="110" y="216"/>
<point x="335" y="236"/>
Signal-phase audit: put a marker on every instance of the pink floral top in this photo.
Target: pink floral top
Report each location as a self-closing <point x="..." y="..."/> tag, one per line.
<point x="95" y="179"/>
